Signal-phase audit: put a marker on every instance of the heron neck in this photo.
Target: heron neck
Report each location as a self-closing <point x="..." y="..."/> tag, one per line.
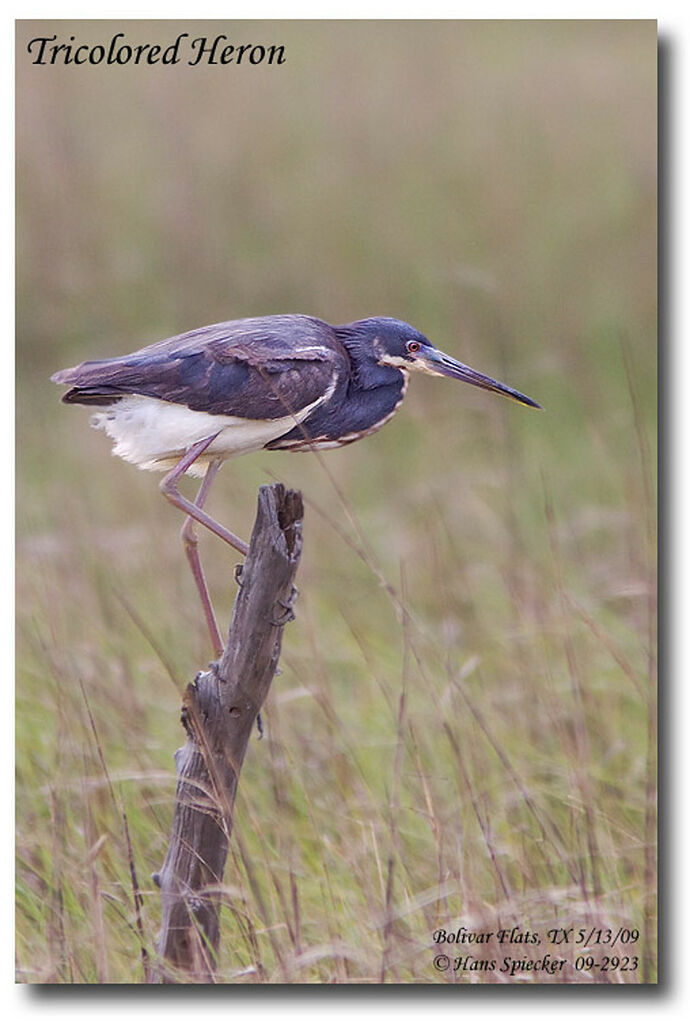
<point x="366" y="370"/>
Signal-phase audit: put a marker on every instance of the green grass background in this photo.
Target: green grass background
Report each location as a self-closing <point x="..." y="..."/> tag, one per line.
<point x="464" y="728"/>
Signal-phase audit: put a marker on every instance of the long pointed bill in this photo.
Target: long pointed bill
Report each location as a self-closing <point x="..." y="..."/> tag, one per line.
<point x="441" y="364"/>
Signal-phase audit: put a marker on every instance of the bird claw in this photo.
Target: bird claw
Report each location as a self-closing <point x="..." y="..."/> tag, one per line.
<point x="214" y="668"/>
<point x="289" y="616"/>
<point x="287" y="605"/>
<point x="238" y="575"/>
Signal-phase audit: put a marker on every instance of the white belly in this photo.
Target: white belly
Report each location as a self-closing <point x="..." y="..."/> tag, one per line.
<point x="155" y="434"/>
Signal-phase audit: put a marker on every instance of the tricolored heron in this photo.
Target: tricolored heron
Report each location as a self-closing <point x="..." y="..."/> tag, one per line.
<point x="289" y="383"/>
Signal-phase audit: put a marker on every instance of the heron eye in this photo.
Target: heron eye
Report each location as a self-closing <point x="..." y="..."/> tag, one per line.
<point x="413" y="346"/>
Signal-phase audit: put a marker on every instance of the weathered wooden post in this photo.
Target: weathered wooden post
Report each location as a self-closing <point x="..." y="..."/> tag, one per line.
<point x="219" y="712"/>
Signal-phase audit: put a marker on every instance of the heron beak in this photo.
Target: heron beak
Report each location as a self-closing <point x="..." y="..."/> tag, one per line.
<point x="442" y="365"/>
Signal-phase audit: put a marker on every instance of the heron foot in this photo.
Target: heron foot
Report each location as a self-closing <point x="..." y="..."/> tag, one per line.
<point x="288" y="610"/>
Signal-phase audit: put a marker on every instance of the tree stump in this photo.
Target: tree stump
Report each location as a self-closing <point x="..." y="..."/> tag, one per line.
<point x="219" y="711"/>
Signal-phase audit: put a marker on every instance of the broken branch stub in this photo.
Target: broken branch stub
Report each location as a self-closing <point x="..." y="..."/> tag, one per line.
<point x="218" y="713"/>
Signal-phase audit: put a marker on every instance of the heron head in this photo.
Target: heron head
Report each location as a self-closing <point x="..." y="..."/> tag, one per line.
<point x="400" y="345"/>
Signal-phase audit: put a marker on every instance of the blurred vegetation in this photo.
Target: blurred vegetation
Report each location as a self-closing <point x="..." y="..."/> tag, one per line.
<point x="473" y="742"/>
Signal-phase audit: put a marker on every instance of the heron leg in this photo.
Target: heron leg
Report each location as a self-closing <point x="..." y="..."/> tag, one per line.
<point x="191" y="549"/>
<point x="195" y="513"/>
<point x="168" y="487"/>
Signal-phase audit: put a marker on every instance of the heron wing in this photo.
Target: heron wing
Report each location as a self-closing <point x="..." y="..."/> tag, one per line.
<point x="261" y="368"/>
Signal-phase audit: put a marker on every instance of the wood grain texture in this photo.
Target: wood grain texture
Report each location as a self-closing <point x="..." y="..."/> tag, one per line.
<point x="219" y="712"/>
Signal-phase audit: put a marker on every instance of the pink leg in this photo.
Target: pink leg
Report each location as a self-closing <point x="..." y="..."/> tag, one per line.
<point x="191" y="548"/>
<point x="169" y="490"/>
<point x="196" y="513"/>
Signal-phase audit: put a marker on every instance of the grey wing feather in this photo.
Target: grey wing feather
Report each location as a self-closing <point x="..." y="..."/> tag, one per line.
<point x="261" y="368"/>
